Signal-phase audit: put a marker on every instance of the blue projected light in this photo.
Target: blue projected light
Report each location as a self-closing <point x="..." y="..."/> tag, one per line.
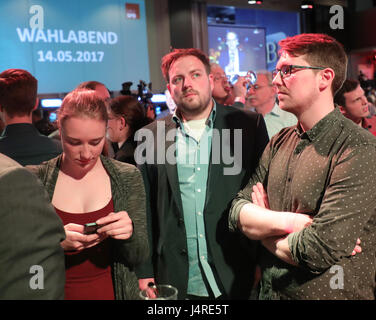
<point x="51" y="103"/>
<point x="64" y="43"/>
<point x="52" y="116"/>
<point x="237" y="49"/>
<point x="158" y="98"/>
<point x="157" y="110"/>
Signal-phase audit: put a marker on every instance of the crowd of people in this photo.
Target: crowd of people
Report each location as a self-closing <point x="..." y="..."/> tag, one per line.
<point x="243" y="191"/>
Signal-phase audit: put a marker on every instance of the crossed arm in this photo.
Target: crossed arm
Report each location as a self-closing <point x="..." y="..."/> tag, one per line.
<point x="258" y="222"/>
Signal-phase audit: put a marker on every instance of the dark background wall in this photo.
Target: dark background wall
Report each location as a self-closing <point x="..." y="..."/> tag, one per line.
<point x="176" y="26"/>
<point x="181" y="23"/>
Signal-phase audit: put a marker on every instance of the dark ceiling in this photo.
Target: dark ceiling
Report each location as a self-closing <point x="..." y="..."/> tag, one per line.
<point x="274" y="4"/>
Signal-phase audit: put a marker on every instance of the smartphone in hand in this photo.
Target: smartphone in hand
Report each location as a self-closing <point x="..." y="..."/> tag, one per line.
<point x="90" y="228"/>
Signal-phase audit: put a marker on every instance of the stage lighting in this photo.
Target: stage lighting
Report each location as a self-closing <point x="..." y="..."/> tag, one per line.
<point x="51" y="103"/>
<point x="306" y="5"/>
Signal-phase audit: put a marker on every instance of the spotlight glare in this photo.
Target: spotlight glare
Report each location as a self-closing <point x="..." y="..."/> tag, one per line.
<point x="306" y="5"/>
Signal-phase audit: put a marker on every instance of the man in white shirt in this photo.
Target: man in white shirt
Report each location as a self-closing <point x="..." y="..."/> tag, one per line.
<point x="262" y="98"/>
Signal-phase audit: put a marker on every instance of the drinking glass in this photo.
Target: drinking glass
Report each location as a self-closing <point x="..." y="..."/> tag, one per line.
<point x="159" y="292"/>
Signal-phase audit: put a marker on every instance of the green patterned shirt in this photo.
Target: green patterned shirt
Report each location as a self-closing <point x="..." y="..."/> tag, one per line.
<point x="328" y="172"/>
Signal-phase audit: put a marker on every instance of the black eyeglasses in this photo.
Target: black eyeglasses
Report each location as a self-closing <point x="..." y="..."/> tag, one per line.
<point x="286" y="70"/>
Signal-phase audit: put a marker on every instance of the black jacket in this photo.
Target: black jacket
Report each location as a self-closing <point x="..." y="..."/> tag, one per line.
<point x="231" y="254"/>
<point x="126" y="152"/>
<point x="23" y="143"/>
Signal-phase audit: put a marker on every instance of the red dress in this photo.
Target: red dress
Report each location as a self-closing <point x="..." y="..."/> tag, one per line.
<point x="88" y="271"/>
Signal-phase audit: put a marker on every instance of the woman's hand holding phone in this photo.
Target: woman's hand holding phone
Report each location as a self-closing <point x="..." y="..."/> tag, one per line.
<point x="116" y="225"/>
<point x="76" y="239"/>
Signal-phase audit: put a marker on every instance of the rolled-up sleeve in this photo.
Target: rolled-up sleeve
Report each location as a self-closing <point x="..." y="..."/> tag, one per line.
<point x="348" y="204"/>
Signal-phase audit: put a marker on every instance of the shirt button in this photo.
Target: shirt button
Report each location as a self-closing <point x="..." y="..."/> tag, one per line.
<point x="201" y="236"/>
<point x="198" y="169"/>
<point x="199" y="213"/>
<point x="202" y="258"/>
<point x="198" y="190"/>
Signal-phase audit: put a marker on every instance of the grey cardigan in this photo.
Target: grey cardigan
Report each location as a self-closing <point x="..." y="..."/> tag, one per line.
<point x="128" y="195"/>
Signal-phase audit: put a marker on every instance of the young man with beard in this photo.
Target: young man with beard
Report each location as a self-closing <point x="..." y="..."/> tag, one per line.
<point x="210" y="152"/>
<point x="313" y="194"/>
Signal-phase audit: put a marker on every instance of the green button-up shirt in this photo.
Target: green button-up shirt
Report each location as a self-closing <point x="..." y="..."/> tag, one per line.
<point x="193" y="157"/>
<point x="328" y="172"/>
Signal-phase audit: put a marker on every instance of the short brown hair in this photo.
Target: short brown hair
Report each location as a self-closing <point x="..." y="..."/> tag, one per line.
<point x="322" y="51"/>
<point x="82" y="103"/>
<point x="174" y="55"/>
<point x="348" y="86"/>
<point x="18" y="92"/>
<point x="92" y="85"/>
<point x="131" y="110"/>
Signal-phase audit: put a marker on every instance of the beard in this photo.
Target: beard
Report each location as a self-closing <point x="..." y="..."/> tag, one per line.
<point x="192" y="103"/>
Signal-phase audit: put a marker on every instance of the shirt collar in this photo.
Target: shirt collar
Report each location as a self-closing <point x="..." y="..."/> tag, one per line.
<point x="19" y="128"/>
<point x="320" y="127"/>
<point x="275" y="110"/>
<point x="176" y="116"/>
<point x="367" y="123"/>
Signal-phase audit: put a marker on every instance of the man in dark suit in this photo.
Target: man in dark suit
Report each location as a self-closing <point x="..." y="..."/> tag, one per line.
<point x="235" y="58"/>
<point x="193" y="162"/>
<point x="31" y="258"/>
<point x="20" y="140"/>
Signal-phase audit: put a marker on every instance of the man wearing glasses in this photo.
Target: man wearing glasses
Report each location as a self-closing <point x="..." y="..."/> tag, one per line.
<point x="313" y="194"/>
<point x="262" y="98"/>
<point x="223" y="92"/>
<point x="221" y="87"/>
